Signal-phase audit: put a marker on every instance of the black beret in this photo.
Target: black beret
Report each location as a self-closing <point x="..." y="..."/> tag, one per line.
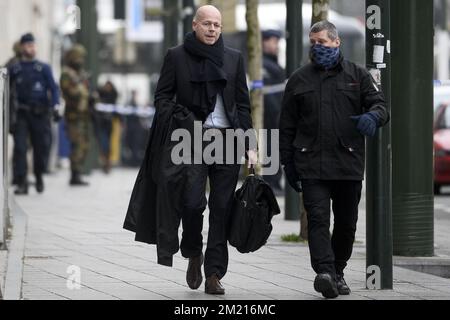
<point x="28" y="37"/>
<point x="266" y="34"/>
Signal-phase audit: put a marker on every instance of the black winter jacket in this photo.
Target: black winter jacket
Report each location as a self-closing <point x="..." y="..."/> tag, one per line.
<point x="316" y="132"/>
<point x="175" y="81"/>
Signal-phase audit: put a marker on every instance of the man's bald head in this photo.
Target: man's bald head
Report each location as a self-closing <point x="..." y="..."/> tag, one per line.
<point x="207" y="24"/>
<point x="207" y="11"/>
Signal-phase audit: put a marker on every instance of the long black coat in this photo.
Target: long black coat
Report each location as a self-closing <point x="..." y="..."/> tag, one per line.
<point x="316" y="132"/>
<point x="175" y="81"/>
<point x="155" y="207"/>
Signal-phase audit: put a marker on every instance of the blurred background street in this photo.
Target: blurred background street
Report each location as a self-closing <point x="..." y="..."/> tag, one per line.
<point x="72" y="220"/>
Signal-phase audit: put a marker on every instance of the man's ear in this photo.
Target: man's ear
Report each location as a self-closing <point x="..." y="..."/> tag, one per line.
<point x="338" y="42"/>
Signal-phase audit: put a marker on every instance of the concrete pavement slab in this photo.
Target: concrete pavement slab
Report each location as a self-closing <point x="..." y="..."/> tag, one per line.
<point x="83" y="227"/>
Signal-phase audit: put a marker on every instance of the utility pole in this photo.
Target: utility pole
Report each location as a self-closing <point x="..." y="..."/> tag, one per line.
<point x="87" y="36"/>
<point x="171" y="17"/>
<point x="379" y="169"/>
<point x="412" y="127"/>
<point x="188" y="15"/>
<point x="294" y="49"/>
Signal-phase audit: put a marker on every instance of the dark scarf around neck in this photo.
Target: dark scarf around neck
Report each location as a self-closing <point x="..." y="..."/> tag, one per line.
<point x="207" y="75"/>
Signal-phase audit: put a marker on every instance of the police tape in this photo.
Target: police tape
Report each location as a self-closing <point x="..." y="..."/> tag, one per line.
<point x="441" y="83"/>
<point x="266" y="90"/>
<point x="149" y="111"/>
<point x="276" y="88"/>
<point x="143" y="112"/>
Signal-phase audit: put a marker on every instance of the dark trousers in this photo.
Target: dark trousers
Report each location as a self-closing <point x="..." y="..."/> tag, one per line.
<point x="222" y="181"/>
<point x="34" y="127"/>
<point x="48" y="145"/>
<point x="103" y="127"/>
<point x="273" y="180"/>
<point x="330" y="255"/>
<point x="272" y="113"/>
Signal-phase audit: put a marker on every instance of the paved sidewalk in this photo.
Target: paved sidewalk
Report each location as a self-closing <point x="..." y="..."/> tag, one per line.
<point x="83" y="227"/>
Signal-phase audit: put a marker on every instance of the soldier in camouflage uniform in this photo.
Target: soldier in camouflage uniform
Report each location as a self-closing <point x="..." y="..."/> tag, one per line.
<point x="17" y="55"/>
<point x="75" y="88"/>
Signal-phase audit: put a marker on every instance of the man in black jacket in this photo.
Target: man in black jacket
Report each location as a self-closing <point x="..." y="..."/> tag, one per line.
<point x="209" y="79"/>
<point x="329" y="106"/>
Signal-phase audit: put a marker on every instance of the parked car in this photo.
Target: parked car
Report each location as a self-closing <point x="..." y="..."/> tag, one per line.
<point x="441" y="94"/>
<point x="441" y="146"/>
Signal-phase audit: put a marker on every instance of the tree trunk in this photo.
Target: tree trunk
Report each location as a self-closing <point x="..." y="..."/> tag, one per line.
<point x="228" y="10"/>
<point x="255" y="64"/>
<point x="320" y="10"/>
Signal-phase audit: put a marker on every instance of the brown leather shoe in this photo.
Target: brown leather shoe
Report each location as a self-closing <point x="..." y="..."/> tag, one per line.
<point x="194" y="272"/>
<point x="213" y="285"/>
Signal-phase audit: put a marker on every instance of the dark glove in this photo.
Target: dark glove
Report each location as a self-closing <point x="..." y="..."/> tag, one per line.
<point x="292" y="177"/>
<point x="57" y="113"/>
<point x="366" y="123"/>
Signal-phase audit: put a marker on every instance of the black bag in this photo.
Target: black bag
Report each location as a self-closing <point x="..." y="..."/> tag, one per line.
<point x="254" y="206"/>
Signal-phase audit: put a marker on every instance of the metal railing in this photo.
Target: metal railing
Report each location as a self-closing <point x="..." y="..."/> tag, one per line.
<point x="4" y="131"/>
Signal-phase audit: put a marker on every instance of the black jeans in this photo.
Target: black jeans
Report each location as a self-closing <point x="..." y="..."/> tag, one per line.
<point x="330" y="255"/>
<point x="223" y="180"/>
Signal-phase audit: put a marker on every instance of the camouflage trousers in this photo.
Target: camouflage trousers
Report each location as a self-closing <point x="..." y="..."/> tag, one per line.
<point x="78" y="134"/>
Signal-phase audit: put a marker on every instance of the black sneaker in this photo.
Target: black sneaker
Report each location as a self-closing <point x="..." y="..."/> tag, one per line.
<point x="326" y="285"/>
<point x="343" y="288"/>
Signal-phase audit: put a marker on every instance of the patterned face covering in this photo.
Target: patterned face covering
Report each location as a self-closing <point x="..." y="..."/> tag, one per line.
<point x="325" y="57"/>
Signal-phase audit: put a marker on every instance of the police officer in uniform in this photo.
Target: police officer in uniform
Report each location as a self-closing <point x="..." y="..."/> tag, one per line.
<point x="37" y="97"/>
<point x="273" y="74"/>
<point x="75" y="88"/>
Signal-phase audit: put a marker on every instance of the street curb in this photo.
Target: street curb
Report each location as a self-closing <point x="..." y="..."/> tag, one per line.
<point x="14" y="269"/>
<point x="437" y="265"/>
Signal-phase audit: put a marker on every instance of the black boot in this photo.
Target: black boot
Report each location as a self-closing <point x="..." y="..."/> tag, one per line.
<point x="75" y="180"/>
<point x="325" y="283"/>
<point x="22" y="187"/>
<point x="39" y="183"/>
<point x="194" y="276"/>
<point x="213" y="285"/>
<point x="342" y="286"/>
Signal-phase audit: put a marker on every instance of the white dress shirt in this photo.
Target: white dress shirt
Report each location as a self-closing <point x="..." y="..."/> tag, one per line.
<point x="218" y="119"/>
